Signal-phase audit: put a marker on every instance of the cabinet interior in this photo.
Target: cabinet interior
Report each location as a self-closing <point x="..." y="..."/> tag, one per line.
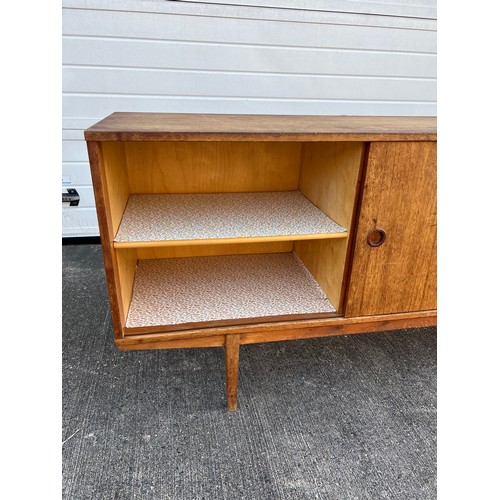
<point x="324" y="173"/>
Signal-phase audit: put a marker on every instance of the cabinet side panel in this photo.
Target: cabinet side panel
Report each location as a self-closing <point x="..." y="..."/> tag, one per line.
<point x="105" y="229"/>
<point x="126" y="259"/>
<point x="117" y="185"/>
<point x="328" y="178"/>
<point x="399" y="196"/>
<point x="325" y="260"/>
<point x="204" y="167"/>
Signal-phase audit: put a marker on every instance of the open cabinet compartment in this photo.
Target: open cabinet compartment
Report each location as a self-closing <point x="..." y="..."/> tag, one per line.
<point x="276" y="210"/>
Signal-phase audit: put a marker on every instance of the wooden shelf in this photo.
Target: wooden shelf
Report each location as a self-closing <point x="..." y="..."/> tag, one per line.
<point x="176" y="294"/>
<point x="187" y="219"/>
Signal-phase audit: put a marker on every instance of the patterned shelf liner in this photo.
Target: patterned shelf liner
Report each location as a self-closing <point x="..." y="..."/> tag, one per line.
<point x="199" y="289"/>
<point x="168" y="217"/>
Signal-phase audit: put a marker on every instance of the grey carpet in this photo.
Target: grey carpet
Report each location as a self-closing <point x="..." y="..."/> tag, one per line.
<point x="349" y="417"/>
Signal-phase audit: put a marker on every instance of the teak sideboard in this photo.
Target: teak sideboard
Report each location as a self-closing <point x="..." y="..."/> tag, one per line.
<point x="223" y="230"/>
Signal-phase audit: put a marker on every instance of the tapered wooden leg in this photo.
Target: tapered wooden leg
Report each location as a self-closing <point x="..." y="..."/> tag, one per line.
<point x="232" y="351"/>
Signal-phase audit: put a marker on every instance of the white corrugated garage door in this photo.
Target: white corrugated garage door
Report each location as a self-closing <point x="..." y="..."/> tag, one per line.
<point x="343" y="57"/>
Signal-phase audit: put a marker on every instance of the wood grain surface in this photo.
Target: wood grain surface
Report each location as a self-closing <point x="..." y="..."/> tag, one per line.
<point x="105" y="219"/>
<point x="212" y="167"/>
<point x="232" y="355"/>
<point x="126" y="260"/>
<point x="214" y="127"/>
<point x="116" y="182"/>
<point x="399" y="196"/>
<point x="159" y="252"/>
<point x="282" y="330"/>
<point x="328" y="178"/>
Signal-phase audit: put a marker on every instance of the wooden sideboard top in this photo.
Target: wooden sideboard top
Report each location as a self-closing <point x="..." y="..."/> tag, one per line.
<point x="214" y="127"/>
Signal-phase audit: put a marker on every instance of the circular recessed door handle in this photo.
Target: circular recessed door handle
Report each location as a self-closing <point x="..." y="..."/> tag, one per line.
<point x="376" y="237"/>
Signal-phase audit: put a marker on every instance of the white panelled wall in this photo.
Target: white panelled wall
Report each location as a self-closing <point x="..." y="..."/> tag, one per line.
<point x="325" y="57"/>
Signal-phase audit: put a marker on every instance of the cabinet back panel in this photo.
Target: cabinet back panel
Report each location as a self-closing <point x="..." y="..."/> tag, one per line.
<point x="222" y="249"/>
<point x="204" y="167"/>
